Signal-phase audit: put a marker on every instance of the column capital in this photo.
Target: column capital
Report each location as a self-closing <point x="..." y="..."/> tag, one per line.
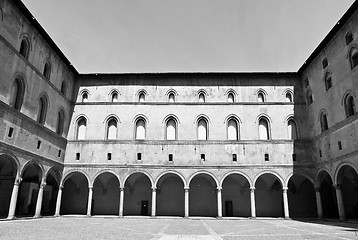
<point x="121" y="188"/>
<point x="252" y="189"/>
<point x="186" y="189"/>
<point x="90" y="187"/>
<point x="61" y="187"/>
<point x="285" y="189"/>
<point x="219" y="189"/>
<point x="42" y="185"/>
<point x="317" y="189"/>
<point x="18" y="181"/>
<point x="338" y="186"/>
<point x="154" y="189"/>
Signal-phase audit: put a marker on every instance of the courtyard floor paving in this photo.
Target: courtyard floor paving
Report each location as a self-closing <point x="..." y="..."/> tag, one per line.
<point x="174" y="228"/>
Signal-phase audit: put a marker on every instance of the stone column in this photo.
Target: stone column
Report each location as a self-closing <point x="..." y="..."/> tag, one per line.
<point x="13" y="201"/>
<point x="252" y="198"/>
<point x="285" y="203"/>
<point x="340" y="203"/>
<point x="89" y="204"/>
<point x="39" y="200"/>
<point x="121" y="201"/>
<point x="319" y="203"/>
<point x="154" y="201"/>
<point x="58" y="202"/>
<point x="220" y="210"/>
<point x="186" y="206"/>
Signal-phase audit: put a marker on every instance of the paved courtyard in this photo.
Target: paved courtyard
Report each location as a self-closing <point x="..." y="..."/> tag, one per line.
<point x="169" y="229"/>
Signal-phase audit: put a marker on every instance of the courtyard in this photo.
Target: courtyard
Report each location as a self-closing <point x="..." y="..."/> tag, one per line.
<point x="75" y="227"/>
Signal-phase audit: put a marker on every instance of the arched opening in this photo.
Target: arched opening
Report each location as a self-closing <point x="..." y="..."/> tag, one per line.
<point x="230" y="97"/>
<point x="75" y="194"/>
<point x="141" y="97"/>
<point x="324" y="121"/>
<point x="17" y="94"/>
<point x="140" y="129"/>
<point x="354" y="57"/>
<point x="47" y="70"/>
<point x="328" y="195"/>
<point x="203" y="196"/>
<point x="171" y="130"/>
<point x="268" y="196"/>
<point x="8" y="171"/>
<point x="202" y="97"/>
<point x="309" y="97"/>
<point x="261" y="97"/>
<point x="232" y="130"/>
<point x="347" y="179"/>
<point x="81" y="128"/>
<point x="328" y="81"/>
<point x="137" y="195"/>
<point x="349" y="106"/>
<point x="202" y="129"/>
<point x="84" y="96"/>
<point x="50" y="193"/>
<point x="42" y="111"/>
<point x="236" y="196"/>
<point x="63" y="88"/>
<point x="114" y="97"/>
<point x="28" y="190"/>
<point x="264" y="132"/>
<point x="171" y="98"/>
<point x="289" y="97"/>
<point x="301" y="197"/>
<point x="60" y="122"/>
<point x="24" y="48"/>
<point x="106" y="195"/>
<point x="292" y="129"/>
<point x="111" y="129"/>
<point x="170" y="196"/>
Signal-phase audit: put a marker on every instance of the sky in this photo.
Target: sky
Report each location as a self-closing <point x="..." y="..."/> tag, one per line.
<point x="117" y="36"/>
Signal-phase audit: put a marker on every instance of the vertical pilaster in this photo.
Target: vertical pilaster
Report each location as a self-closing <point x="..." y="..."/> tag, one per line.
<point x="219" y="196"/>
<point x="39" y="200"/>
<point x="340" y="203"/>
<point x="89" y="204"/>
<point x="154" y="201"/>
<point x="253" y="206"/>
<point x="13" y="201"/>
<point x="285" y="203"/>
<point x="58" y="202"/>
<point x="186" y="200"/>
<point x="319" y="203"/>
<point x="121" y="201"/>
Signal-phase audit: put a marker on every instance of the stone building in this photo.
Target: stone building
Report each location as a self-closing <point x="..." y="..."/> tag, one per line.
<point x="176" y="144"/>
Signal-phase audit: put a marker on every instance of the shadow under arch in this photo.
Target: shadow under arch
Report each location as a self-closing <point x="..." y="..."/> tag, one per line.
<point x="327" y="191"/>
<point x="50" y="191"/>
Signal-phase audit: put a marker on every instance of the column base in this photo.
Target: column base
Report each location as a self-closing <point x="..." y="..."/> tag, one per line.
<point x="219" y="218"/>
<point x="57" y="215"/>
<point x="153" y="216"/>
<point x="11" y="218"/>
<point x="186" y="217"/>
<point x="88" y="215"/>
<point x="287" y="218"/>
<point x="37" y="216"/>
<point x="252" y="217"/>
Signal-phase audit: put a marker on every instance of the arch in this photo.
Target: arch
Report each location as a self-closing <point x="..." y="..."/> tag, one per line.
<point x="288" y="94"/>
<point x="69" y="173"/>
<point x="14" y="159"/>
<point x="292" y="128"/>
<point x="18" y="92"/>
<point x="341" y="165"/>
<point x="60" y="121"/>
<point x="264" y="128"/>
<point x="171" y="129"/>
<point x="278" y="176"/>
<point x="238" y="173"/>
<point x="63" y="88"/>
<point x="84" y="93"/>
<point x="141" y="95"/>
<point x="328" y="80"/>
<point x="309" y="97"/>
<point x="43" y="106"/>
<point x="202" y="95"/>
<point x="140" y="128"/>
<point x="113" y="95"/>
<point x="57" y="171"/>
<point x="111" y="128"/>
<point x="231" y="95"/>
<point x="169" y="116"/>
<point x="349" y="104"/>
<point x="202" y="128"/>
<point x="138" y="171"/>
<point x="170" y="172"/>
<point x="323" y="120"/>
<point x="261" y="95"/>
<point x="171" y="95"/>
<point x="203" y="172"/>
<point x="353" y="56"/>
<point x="105" y="171"/>
<point x="47" y="69"/>
<point x="232" y="127"/>
<point x="304" y="174"/>
<point x="318" y="175"/>
<point x="25" y="46"/>
<point x="81" y="127"/>
<point x="37" y="164"/>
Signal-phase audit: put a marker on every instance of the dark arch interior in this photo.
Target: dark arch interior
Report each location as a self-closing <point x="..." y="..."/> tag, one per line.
<point x="50" y="193"/>
<point x="75" y="195"/>
<point x="7" y="178"/>
<point x="106" y="195"/>
<point x="328" y="196"/>
<point x="348" y="181"/>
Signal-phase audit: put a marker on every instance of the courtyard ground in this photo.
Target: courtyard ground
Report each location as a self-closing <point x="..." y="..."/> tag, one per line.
<point x="171" y="228"/>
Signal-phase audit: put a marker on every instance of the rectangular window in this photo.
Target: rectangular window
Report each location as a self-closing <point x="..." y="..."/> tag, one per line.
<point x="78" y="155"/>
<point x="11" y="130"/>
<point x="170" y="157"/>
<point x="320" y="153"/>
<point x="294" y="157"/>
<point x="139" y="156"/>
<point x="234" y="157"/>
<point x="349" y="38"/>
<point x="38" y="144"/>
<point x="267" y="158"/>
<point x="202" y="157"/>
<point x="324" y="63"/>
<point x="59" y="153"/>
<point x="339" y="145"/>
<point x="109" y="156"/>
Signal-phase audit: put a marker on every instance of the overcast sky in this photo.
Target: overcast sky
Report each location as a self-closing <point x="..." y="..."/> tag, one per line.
<point x="187" y="35"/>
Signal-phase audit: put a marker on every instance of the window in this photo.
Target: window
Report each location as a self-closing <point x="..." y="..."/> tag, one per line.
<point x="109" y="156"/>
<point x="263" y="129"/>
<point x="349" y="37"/>
<point x="230" y="97"/>
<point x="349" y="106"/>
<point x="353" y="57"/>
<point x="11" y="131"/>
<point x="170" y="157"/>
<point x="324" y="63"/>
<point x="60" y="122"/>
<point x="339" y="145"/>
<point x="84" y="96"/>
<point x="38" y="144"/>
<point x="306" y="82"/>
<point x="114" y="96"/>
<point x="202" y="157"/>
<point x="171" y="130"/>
<point x="267" y="157"/>
<point x="328" y="81"/>
<point x="324" y="122"/>
<point x="42" y="111"/>
<point x="141" y="97"/>
<point x="202" y="129"/>
<point x="111" y="129"/>
<point x="63" y="88"/>
<point x="78" y="156"/>
<point x="261" y="97"/>
<point x="292" y="129"/>
<point x="294" y="158"/>
<point x="288" y="97"/>
<point x="171" y="97"/>
<point x="81" y="128"/>
<point x="309" y="97"/>
<point x="232" y="130"/>
<point x="140" y="130"/>
<point x="139" y="156"/>
<point x="202" y="97"/>
<point x="17" y="94"/>
<point x="25" y="48"/>
<point x="47" y="70"/>
<point x="234" y="157"/>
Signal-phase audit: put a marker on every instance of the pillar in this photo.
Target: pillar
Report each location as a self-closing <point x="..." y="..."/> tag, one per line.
<point x="340" y="202"/>
<point x="39" y="200"/>
<point x="13" y="201"/>
<point x="253" y="206"/>
<point x="121" y="201"/>
<point x="186" y="198"/>
<point x="89" y="204"/>
<point x="58" y="202"/>
<point x="319" y="203"/>
<point x="285" y="203"/>
<point x="220" y="210"/>
<point x="154" y="201"/>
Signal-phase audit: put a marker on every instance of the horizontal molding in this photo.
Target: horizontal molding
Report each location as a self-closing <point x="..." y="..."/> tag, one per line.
<point x="193" y="103"/>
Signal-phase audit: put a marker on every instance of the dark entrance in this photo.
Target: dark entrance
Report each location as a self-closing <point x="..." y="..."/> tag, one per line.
<point x="228" y="209"/>
<point x="144" y="208"/>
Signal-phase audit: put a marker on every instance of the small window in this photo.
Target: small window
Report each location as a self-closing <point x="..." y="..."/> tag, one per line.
<point x="202" y="97"/>
<point x="78" y="155"/>
<point x="24" y="48"/>
<point x="320" y="153"/>
<point x="328" y="81"/>
<point x="171" y="98"/>
<point x="324" y="63"/>
<point x="324" y="122"/>
<point x="139" y="156"/>
<point x="59" y="153"/>
<point x="202" y="157"/>
<point x="114" y="97"/>
<point x="339" y="145"/>
<point x="349" y="38"/>
<point x="294" y="157"/>
<point x="234" y="157"/>
<point x="267" y="157"/>
<point x="141" y="97"/>
<point x="288" y="97"/>
<point x="38" y="144"/>
<point x="109" y="156"/>
<point x="11" y="130"/>
<point x="349" y="106"/>
<point x="84" y="96"/>
<point x="261" y="97"/>
<point x="230" y="97"/>
<point x="354" y="57"/>
<point x="170" y="157"/>
<point x="47" y="70"/>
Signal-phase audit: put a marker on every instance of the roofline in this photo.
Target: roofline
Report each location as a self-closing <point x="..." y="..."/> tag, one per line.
<point x="44" y="34"/>
<point x="343" y="20"/>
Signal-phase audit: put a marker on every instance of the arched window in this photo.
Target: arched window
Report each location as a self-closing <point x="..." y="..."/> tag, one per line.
<point x="328" y="81"/>
<point x="47" y="70"/>
<point x="232" y="130"/>
<point x="24" y="48"/>
<point x="354" y="57"/>
<point x="349" y="106"/>
<point x="17" y="94"/>
<point x="309" y="97"/>
<point x="81" y="128"/>
<point x="292" y="129"/>
<point x="202" y="129"/>
<point x="60" y="122"/>
<point x="323" y="121"/>
<point x="114" y="96"/>
<point x="140" y="129"/>
<point x="202" y="97"/>
<point x="289" y="97"/>
<point x="171" y="130"/>
<point x="264" y="131"/>
<point x="171" y="97"/>
<point x="230" y="97"/>
<point x="141" y="97"/>
<point x="111" y="129"/>
<point x="41" y="116"/>
<point x="84" y="96"/>
<point x="63" y="88"/>
<point x="261" y="97"/>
